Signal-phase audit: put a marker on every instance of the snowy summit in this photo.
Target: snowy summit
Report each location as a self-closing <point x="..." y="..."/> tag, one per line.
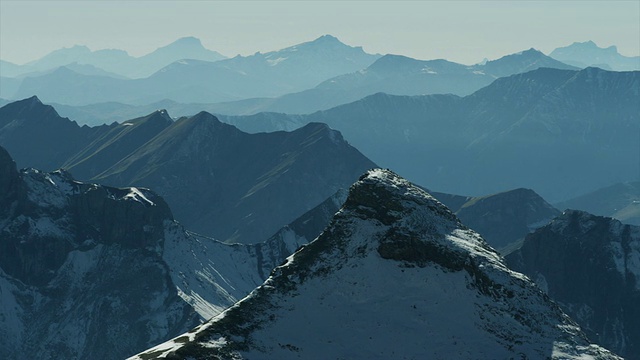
<point x="395" y="275"/>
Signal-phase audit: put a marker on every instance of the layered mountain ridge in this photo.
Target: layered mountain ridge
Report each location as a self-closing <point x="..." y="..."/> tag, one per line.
<point x="195" y="77"/>
<point x="219" y="181"/>
<point x="561" y="133"/>
<point x="585" y="54"/>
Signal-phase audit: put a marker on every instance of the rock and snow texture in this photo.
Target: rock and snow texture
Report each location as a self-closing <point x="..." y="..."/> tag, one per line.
<point x="89" y="271"/>
<point x="590" y="265"/>
<point x="81" y="269"/>
<point x="394" y="275"/>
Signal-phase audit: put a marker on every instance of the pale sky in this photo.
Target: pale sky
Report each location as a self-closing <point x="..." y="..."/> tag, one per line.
<point x="461" y="31"/>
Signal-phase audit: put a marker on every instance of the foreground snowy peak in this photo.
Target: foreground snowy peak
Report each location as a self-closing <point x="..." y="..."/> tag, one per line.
<point x="394" y="275"/>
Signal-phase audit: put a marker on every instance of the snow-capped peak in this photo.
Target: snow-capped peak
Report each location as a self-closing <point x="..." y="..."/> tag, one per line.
<point x="394" y="275"/>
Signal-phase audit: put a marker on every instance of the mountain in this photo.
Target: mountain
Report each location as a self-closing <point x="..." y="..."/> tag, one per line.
<point x="590" y="266"/>
<point x="585" y="54"/>
<point x="10" y="70"/>
<point x="521" y="62"/>
<point x="394" y="275"/>
<point x="620" y="201"/>
<point x="116" y="143"/>
<point x="561" y="133"/>
<point x="89" y="271"/>
<point x="81" y="268"/>
<point x="304" y="65"/>
<point x="38" y="137"/>
<point x="219" y="181"/>
<point x="397" y="75"/>
<point x="198" y="80"/>
<point x="119" y="62"/>
<point x="67" y="86"/>
<point x="235" y="186"/>
<point x="503" y="218"/>
<point x="183" y="48"/>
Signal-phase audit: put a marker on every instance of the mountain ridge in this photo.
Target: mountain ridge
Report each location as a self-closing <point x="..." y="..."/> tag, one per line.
<point x="392" y="226"/>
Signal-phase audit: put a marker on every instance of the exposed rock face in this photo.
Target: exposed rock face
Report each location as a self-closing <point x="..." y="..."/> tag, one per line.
<point x="10" y="189"/>
<point x="591" y="266"/>
<point x="81" y="268"/>
<point x="394" y="275"/>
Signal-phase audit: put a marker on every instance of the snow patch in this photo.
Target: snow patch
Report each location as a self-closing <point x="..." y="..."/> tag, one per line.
<point x="274" y="62"/>
<point x="427" y="70"/>
<point x="136" y="194"/>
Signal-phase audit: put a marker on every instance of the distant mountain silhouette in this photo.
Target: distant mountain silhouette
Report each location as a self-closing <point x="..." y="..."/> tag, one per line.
<point x="117" y="61"/>
<point x="585" y="54"/>
<point x="191" y="80"/>
<point x="620" y="201"/>
<point x="396" y="75"/>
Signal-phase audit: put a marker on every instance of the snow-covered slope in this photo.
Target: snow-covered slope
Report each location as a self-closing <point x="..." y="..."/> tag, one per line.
<point x="211" y="275"/>
<point x="89" y="271"/>
<point x="395" y="275"/>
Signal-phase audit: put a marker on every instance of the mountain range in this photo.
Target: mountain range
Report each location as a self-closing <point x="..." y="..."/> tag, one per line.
<point x="270" y="74"/>
<point x="390" y="238"/>
<point x="94" y="272"/>
<point x="392" y="74"/>
<point x="549" y="130"/>
<point x="130" y="228"/>
<point x="274" y="257"/>
<point x="219" y="181"/>
<point x="620" y="201"/>
<point x="585" y="54"/>
<point x="115" y="61"/>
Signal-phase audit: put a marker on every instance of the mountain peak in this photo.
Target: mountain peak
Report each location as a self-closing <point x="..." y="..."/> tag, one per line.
<point x="33" y="101"/>
<point x="338" y="295"/>
<point x="188" y="41"/>
<point x="163" y="113"/>
<point x="383" y="196"/>
<point x="590" y="45"/>
<point x="326" y="38"/>
<point x="532" y="51"/>
<point x="31" y="105"/>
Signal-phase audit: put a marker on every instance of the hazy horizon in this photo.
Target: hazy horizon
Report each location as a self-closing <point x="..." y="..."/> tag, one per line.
<point x="461" y="31"/>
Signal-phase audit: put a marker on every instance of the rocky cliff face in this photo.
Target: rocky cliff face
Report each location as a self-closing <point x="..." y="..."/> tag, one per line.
<point x="81" y="268"/>
<point x="591" y="266"/>
<point x="95" y="272"/>
<point x="394" y="275"/>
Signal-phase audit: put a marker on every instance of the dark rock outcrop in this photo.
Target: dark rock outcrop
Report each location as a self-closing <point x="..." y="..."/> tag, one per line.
<point x="590" y="265"/>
